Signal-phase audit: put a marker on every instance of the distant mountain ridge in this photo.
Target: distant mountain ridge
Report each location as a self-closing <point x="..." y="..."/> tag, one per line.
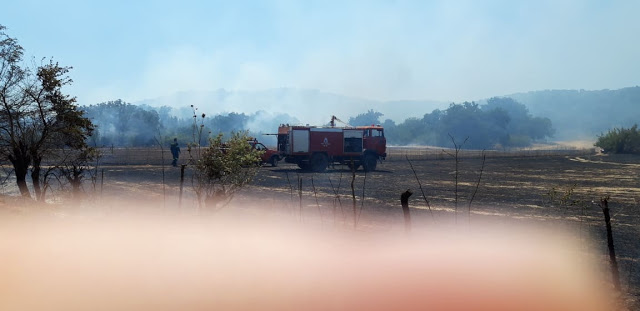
<point x="579" y="114"/>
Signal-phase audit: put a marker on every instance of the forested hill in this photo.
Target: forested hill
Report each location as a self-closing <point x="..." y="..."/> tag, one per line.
<point x="584" y="114"/>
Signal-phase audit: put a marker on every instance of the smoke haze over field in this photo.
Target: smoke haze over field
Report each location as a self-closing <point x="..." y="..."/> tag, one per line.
<point x="384" y="50"/>
<point x="308" y="106"/>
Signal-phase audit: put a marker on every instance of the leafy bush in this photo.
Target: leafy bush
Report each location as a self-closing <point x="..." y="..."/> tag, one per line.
<point x="223" y="168"/>
<point x="620" y="140"/>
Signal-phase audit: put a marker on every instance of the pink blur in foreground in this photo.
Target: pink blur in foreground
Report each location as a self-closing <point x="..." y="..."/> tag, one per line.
<point x="171" y="264"/>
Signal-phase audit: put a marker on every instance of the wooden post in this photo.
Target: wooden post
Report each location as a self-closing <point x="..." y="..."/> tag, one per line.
<point x="101" y="181"/>
<point x="300" y="195"/>
<point x="353" y="194"/>
<point x="181" y="184"/>
<point x="404" y="200"/>
<point x="612" y="252"/>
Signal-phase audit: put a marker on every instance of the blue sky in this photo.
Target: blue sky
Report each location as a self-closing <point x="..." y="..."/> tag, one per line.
<point x="436" y="50"/>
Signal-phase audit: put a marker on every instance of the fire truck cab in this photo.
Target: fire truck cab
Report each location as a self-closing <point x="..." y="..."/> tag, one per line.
<point x="268" y="156"/>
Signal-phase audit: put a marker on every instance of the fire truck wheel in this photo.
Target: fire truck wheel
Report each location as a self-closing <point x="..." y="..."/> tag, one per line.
<point x="274" y="161"/>
<point x="370" y="162"/>
<point x="319" y="162"/>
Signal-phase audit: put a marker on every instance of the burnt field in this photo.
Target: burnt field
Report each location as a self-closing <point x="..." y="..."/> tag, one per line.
<point x="547" y="188"/>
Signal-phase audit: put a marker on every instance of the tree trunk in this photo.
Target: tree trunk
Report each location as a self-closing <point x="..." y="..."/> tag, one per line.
<point x="75" y="180"/>
<point x="35" y="178"/>
<point x="21" y="180"/>
<point x="76" y="183"/>
<point x="21" y="166"/>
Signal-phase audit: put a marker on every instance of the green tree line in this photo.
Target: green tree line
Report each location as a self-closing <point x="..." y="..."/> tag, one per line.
<point x="501" y="122"/>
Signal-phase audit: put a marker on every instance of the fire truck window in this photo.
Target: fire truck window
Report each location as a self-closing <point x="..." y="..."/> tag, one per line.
<point x="353" y="144"/>
<point x="380" y="133"/>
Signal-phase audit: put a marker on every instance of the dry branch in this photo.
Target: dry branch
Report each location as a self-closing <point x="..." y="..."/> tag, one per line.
<point x="424" y="197"/>
<point x="475" y="191"/>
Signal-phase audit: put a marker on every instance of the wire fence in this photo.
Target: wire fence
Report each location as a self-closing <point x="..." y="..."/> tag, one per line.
<point x="138" y="156"/>
<point x="434" y="153"/>
<point x="154" y="156"/>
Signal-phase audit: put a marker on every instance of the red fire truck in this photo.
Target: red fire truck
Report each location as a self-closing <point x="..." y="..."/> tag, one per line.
<point x="268" y="156"/>
<point x="315" y="147"/>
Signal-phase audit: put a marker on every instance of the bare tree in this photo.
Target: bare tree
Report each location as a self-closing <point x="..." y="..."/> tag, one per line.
<point x="75" y="164"/>
<point x="456" y="157"/>
<point x="475" y="191"/>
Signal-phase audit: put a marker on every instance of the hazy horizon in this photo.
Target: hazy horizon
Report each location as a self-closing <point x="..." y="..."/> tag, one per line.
<point x="399" y="99"/>
<point x="414" y="50"/>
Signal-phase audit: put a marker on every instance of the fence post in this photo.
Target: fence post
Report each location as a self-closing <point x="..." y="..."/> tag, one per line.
<point x="101" y="181"/>
<point x="181" y="184"/>
<point x="612" y="252"/>
<point x="404" y="201"/>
